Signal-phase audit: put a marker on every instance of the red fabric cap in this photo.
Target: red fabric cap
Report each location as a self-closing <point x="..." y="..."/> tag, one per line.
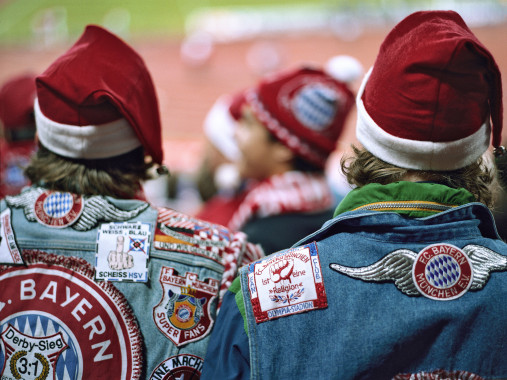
<point x="16" y="102"/>
<point x="99" y="80"/>
<point x="237" y="102"/>
<point x="305" y="109"/>
<point x="434" y="81"/>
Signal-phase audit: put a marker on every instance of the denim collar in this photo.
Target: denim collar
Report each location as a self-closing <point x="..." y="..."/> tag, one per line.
<point x="414" y="199"/>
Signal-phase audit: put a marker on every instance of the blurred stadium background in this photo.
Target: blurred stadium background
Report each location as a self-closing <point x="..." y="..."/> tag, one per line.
<point x="197" y="50"/>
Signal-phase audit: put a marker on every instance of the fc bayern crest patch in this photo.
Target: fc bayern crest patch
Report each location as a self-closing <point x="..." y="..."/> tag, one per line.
<point x="58" y="210"/>
<point x="442" y="272"/>
<point x="184" y="312"/>
<point x="57" y="323"/>
<point x="289" y="282"/>
<point x="181" y="367"/>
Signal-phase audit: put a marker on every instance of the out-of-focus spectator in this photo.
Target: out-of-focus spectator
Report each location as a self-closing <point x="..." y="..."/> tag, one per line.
<point x="290" y="123"/>
<point x="17" y="132"/>
<point x="220" y="147"/>
<point x="219" y="182"/>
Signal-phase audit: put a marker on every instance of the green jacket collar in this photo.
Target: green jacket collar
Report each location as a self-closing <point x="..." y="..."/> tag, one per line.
<point x="414" y="199"/>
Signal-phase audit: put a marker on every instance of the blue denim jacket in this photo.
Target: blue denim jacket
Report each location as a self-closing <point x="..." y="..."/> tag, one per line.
<point x="374" y="295"/>
<point x="97" y="287"/>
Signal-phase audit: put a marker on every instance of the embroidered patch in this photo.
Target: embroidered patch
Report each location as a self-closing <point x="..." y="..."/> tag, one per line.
<point x="439" y="374"/>
<point x="184" y="312"/>
<point x="9" y="251"/>
<point x="123" y="250"/>
<point x="96" y="208"/>
<point x="181" y="367"/>
<point x="57" y="323"/>
<point x="56" y="209"/>
<point x="32" y="357"/>
<point x="181" y="233"/>
<point x="289" y="282"/>
<point x="440" y="271"/>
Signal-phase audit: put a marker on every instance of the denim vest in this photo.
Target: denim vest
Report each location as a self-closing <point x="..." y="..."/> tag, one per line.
<point x="373" y="295"/>
<point x="96" y="287"/>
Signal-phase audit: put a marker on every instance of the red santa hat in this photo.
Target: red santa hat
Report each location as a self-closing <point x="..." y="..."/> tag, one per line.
<point x="98" y="101"/>
<point x="16" y="103"/>
<point x="306" y="108"/>
<point x="427" y="102"/>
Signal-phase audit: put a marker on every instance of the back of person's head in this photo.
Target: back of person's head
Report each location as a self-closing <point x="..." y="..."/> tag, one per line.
<point x="97" y="119"/>
<point x="306" y="108"/>
<point x="218" y="171"/>
<point x="220" y="124"/>
<point x="429" y="105"/>
<point x="17" y="123"/>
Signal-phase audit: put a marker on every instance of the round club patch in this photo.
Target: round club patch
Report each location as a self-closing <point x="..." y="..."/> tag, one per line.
<point x="442" y="272"/>
<point x="181" y="367"/>
<point x="57" y="323"/>
<point x="56" y="209"/>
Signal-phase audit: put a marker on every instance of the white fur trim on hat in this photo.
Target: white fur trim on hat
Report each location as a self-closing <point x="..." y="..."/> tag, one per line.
<point x="88" y="142"/>
<point x="414" y="154"/>
<point x="219" y="127"/>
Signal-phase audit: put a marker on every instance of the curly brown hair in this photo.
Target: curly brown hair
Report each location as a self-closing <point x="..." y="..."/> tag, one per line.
<point x="118" y="177"/>
<point x="479" y="178"/>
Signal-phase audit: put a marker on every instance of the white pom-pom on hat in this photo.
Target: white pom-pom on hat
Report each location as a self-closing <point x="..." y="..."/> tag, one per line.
<point x="227" y="177"/>
<point x="344" y="68"/>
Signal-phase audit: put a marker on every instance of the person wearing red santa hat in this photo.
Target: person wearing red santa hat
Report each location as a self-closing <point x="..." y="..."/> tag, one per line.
<point x="290" y="124"/>
<point x="96" y="282"/>
<point x="409" y="279"/>
<point x="218" y="180"/>
<point x="17" y="132"/>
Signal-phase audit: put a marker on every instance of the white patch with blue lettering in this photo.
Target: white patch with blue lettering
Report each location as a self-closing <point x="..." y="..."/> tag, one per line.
<point x="123" y="250"/>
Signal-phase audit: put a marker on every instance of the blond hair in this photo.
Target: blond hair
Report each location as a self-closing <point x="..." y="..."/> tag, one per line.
<point x="479" y="178"/>
<point x="118" y="177"/>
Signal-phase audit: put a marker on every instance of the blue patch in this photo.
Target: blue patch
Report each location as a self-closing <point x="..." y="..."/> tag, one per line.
<point x="57" y="205"/>
<point x="67" y="365"/>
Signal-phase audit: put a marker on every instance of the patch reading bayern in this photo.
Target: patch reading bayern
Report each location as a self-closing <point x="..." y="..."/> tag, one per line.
<point x="439" y="271"/>
<point x="57" y="323"/>
<point x="181" y="367"/>
<point x="442" y="272"/>
<point x="184" y="312"/>
<point x="289" y="282"/>
<point x="58" y="210"/>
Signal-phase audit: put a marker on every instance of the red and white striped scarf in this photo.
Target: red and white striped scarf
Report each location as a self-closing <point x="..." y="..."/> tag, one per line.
<point x="285" y="193"/>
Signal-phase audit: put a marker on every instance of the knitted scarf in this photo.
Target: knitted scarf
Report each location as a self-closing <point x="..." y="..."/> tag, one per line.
<point x="290" y="192"/>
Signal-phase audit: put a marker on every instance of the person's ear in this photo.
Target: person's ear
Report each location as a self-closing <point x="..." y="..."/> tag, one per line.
<point x="281" y="153"/>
